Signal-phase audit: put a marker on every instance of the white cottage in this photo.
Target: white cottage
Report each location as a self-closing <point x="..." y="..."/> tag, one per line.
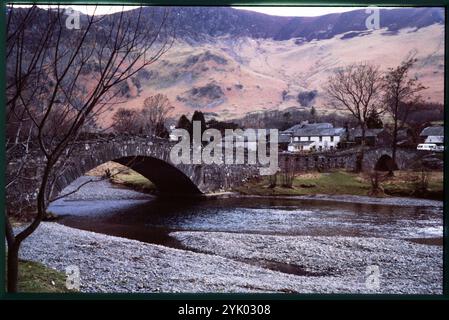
<point x="314" y="137"/>
<point x="433" y="135"/>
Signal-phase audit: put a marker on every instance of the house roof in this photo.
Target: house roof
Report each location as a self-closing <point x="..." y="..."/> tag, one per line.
<point x="284" y="138"/>
<point x="432" y="131"/>
<point x="308" y="132"/>
<point x="292" y="129"/>
<point x="313" y="129"/>
<point x="320" y="125"/>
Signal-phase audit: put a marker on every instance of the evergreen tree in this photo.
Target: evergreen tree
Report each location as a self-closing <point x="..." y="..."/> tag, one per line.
<point x="199" y="116"/>
<point x="184" y="123"/>
<point x="374" y="121"/>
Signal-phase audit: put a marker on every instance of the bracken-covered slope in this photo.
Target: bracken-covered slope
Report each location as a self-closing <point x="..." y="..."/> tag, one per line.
<point x="231" y="62"/>
<point x="242" y="71"/>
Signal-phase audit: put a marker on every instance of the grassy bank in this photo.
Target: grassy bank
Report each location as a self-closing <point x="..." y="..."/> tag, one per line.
<point x="122" y="175"/>
<point x="135" y="181"/>
<point x="35" y="277"/>
<point x="404" y="184"/>
<point x="347" y="183"/>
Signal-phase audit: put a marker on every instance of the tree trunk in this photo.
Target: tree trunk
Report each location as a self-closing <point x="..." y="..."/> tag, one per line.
<point x="395" y="135"/>
<point x="360" y="155"/>
<point x="395" y="140"/>
<point x="13" y="268"/>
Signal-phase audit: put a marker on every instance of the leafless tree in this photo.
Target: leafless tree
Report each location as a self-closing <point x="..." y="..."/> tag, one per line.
<point x="357" y="89"/>
<point x="400" y="96"/>
<point x="155" y="112"/>
<point x="125" y="121"/>
<point x="376" y="188"/>
<point x="58" y="80"/>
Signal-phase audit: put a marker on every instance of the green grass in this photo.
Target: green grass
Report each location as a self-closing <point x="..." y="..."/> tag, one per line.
<point x="35" y="277"/>
<point x="333" y="183"/>
<point x="135" y="181"/>
<point x="406" y="187"/>
<point x="337" y="182"/>
<point x="346" y="183"/>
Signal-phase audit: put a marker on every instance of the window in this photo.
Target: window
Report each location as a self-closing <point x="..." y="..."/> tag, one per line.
<point x="332" y="138"/>
<point x="321" y="138"/>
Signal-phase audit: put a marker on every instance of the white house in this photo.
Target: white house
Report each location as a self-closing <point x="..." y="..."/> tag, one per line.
<point x="433" y="135"/>
<point x="314" y="136"/>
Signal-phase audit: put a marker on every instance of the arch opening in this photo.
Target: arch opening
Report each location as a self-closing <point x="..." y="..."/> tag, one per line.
<point x="385" y="163"/>
<point x="165" y="178"/>
<point x="168" y="179"/>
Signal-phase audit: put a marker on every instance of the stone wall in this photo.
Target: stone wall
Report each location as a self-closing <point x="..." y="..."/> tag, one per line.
<point x="346" y="159"/>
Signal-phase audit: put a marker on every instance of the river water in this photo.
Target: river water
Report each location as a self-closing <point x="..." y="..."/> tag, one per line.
<point x="151" y="220"/>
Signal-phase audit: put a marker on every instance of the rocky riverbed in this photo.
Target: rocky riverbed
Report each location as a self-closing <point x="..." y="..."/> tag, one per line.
<point x="403" y="267"/>
<point x="330" y="265"/>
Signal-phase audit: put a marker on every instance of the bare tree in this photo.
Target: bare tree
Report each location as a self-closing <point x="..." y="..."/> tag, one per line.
<point x="60" y="78"/>
<point x="400" y="96"/>
<point x="125" y="121"/>
<point x="357" y="89"/>
<point x="156" y="110"/>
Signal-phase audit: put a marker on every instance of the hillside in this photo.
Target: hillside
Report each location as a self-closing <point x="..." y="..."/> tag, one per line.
<point x="240" y="72"/>
<point x="232" y="62"/>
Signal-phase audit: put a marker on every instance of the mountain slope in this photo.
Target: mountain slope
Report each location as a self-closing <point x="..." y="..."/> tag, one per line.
<point x="232" y="76"/>
<point x="231" y="62"/>
<point x="199" y="23"/>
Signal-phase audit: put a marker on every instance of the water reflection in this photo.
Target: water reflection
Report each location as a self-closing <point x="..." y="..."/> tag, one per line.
<point x="151" y="221"/>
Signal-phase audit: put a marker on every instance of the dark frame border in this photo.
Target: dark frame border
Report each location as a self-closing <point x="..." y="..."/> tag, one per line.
<point x="222" y="296"/>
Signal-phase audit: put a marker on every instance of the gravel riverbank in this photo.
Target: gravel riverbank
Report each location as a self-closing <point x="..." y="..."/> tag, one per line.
<point x="112" y="264"/>
<point x="404" y="267"/>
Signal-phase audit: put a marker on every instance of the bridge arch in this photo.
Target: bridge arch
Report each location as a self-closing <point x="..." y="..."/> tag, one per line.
<point x="405" y="157"/>
<point x="385" y="163"/>
<point x="151" y="158"/>
<point x="167" y="178"/>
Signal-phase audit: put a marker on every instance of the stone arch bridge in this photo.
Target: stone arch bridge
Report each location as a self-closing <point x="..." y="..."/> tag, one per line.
<point x="150" y="157"/>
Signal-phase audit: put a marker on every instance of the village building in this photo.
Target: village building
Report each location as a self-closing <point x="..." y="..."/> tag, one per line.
<point x="432" y="138"/>
<point x="306" y="137"/>
<point x="433" y="135"/>
<point x="373" y="137"/>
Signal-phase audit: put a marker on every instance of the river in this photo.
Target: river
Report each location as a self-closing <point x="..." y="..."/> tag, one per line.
<point x="309" y="238"/>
